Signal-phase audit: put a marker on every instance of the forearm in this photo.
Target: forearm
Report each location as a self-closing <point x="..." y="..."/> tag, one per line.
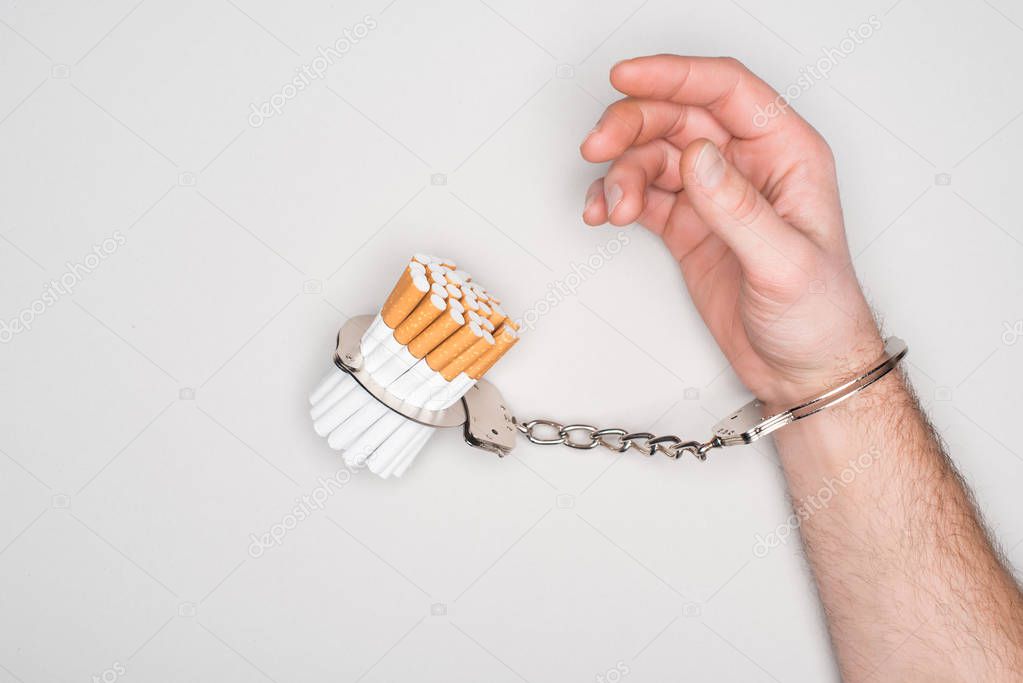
<point x="911" y="585"/>
<point x="749" y="208"/>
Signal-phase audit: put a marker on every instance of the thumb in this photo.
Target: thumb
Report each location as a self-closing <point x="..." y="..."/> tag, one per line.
<point x="734" y="210"/>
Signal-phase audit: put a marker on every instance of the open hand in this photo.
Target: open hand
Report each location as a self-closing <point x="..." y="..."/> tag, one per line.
<point x="743" y="193"/>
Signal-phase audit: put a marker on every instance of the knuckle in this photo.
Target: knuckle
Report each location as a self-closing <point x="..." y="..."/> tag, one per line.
<point x="820" y="148"/>
<point x="626" y="112"/>
<point x="732" y="63"/>
<point x="735" y="68"/>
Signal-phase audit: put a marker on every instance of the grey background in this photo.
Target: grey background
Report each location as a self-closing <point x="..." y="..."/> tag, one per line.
<point x="156" y="417"/>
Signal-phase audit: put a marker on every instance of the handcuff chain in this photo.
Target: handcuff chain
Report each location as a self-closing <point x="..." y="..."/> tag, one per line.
<point x="742" y="426"/>
<point x="586" y="437"/>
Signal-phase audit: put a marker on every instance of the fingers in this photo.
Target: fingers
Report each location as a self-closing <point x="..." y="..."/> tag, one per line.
<point x="732" y="208"/>
<point x="657" y="207"/>
<point x="594" y="209"/>
<point x="655" y="163"/>
<point x="630" y="122"/>
<point x="732" y="93"/>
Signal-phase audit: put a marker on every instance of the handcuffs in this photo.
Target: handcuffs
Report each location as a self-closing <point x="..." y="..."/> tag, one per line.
<point x="488" y="424"/>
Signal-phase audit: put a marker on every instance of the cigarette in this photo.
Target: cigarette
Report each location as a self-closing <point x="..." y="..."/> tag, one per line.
<point x="328" y="401"/>
<point x="433" y="384"/>
<point x="367" y="442"/>
<point x="386" y="455"/>
<point x="505" y="338"/>
<point x="339" y="412"/>
<point x="432" y="340"/>
<point x="436" y="332"/>
<point x="449" y="349"/>
<point x="497" y="315"/>
<point x="428" y="310"/>
<point x="386" y="350"/>
<point x="451" y="393"/>
<point x="468" y="357"/>
<point x="411" y="451"/>
<point x="479" y="291"/>
<point x="375" y="334"/>
<point x="411" y="381"/>
<point x="326" y="385"/>
<point x="406" y="295"/>
<point x="344" y="436"/>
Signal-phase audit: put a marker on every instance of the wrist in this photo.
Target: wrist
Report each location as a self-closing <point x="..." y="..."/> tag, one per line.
<point x="865" y="423"/>
<point x="831" y="370"/>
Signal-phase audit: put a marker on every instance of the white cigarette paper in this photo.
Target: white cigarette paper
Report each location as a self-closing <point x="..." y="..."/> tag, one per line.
<point x="433" y="338"/>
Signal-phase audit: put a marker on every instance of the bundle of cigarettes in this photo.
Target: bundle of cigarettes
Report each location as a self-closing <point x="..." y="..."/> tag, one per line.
<point x="437" y="334"/>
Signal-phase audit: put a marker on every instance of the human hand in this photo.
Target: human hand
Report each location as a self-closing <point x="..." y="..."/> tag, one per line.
<point x="748" y="205"/>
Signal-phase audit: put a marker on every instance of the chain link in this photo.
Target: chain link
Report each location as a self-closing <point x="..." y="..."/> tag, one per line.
<point x="586" y="437"/>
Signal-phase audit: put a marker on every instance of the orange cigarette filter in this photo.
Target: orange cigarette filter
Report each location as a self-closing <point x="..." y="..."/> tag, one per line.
<point x="504" y="339"/>
<point x="467" y="357"/>
<point x="439" y="330"/>
<point x="428" y="310"/>
<point x="497" y="316"/>
<point x="449" y="349"/>
<point x="404" y="297"/>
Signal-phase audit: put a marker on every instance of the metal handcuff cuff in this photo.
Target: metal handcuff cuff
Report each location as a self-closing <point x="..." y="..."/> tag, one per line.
<point x="488" y="424"/>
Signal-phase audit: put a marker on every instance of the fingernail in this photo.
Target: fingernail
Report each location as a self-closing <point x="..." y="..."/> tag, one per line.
<point x="596" y="127"/>
<point x="591" y="194"/>
<point x="709" y="167"/>
<point x="614" y="198"/>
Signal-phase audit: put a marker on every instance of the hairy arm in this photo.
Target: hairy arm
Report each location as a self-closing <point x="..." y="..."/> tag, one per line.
<point x="912" y="587"/>
<point x="743" y="193"/>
